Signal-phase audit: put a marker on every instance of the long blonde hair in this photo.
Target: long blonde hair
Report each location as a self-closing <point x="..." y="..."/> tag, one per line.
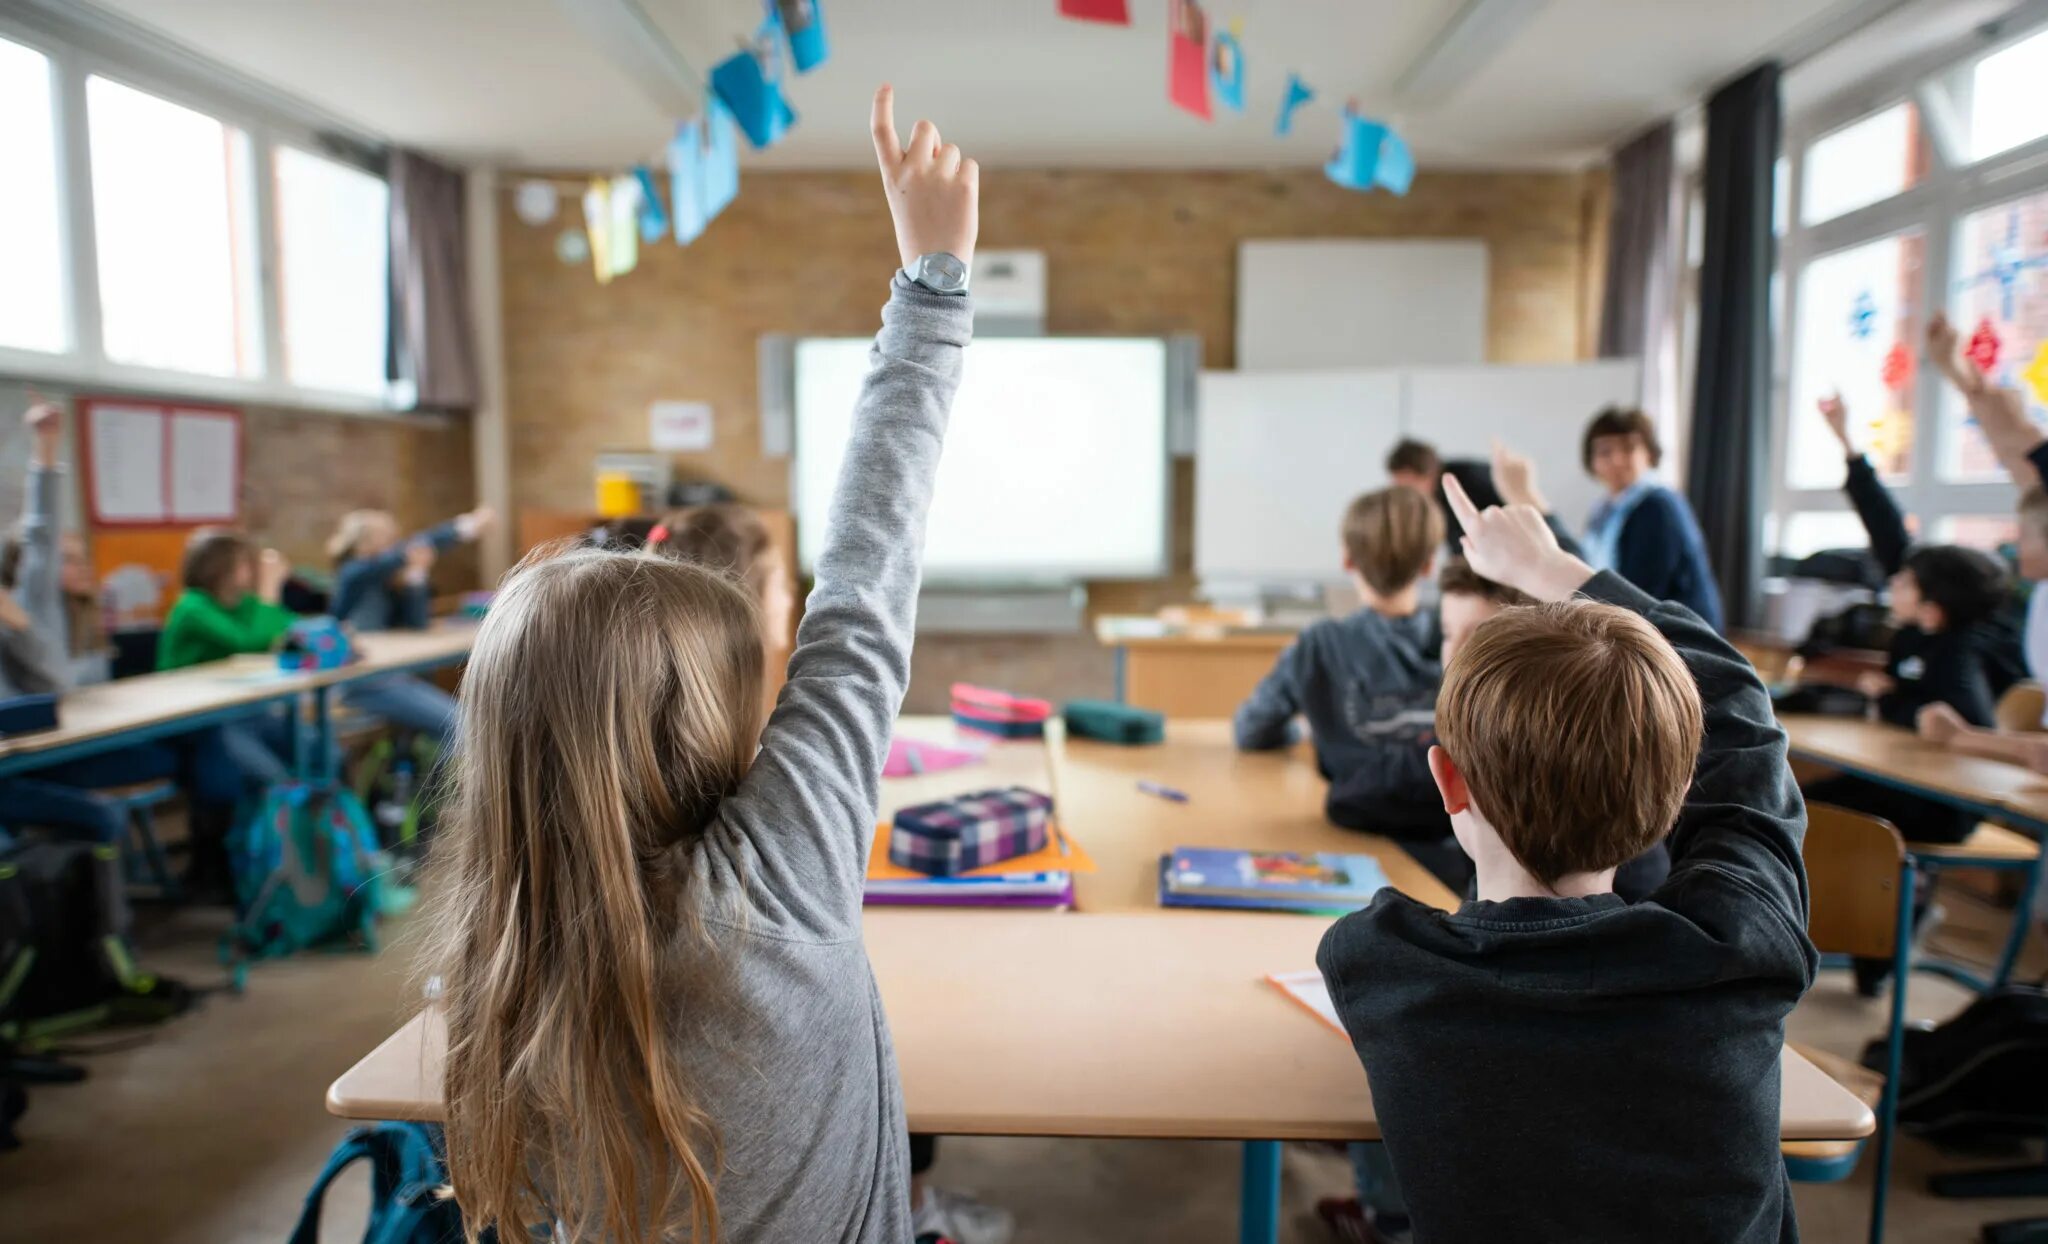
<point x="612" y="701"/>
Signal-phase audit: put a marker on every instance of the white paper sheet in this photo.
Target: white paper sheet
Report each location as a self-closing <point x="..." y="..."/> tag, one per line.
<point x="1308" y="988"/>
<point x="128" y="463"/>
<point x="205" y="472"/>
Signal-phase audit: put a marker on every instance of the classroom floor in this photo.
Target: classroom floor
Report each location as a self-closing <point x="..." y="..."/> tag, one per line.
<point x="169" y="1143"/>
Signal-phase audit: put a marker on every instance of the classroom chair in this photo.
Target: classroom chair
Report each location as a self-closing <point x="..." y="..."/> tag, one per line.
<point x="143" y="859"/>
<point x="1860" y="878"/>
<point x="1996" y="849"/>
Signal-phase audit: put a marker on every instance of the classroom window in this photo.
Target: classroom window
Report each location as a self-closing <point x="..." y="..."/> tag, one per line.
<point x="1804" y="534"/>
<point x="2000" y="307"/>
<point x="2007" y="105"/>
<point x="1859" y="316"/>
<point x="333" y="252"/>
<point x="1990" y="532"/>
<point x="1862" y="163"/>
<point x="32" y="300"/>
<point x="172" y="212"/>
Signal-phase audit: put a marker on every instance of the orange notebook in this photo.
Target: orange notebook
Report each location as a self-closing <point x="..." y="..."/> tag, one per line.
<point x="1060" y="854"/>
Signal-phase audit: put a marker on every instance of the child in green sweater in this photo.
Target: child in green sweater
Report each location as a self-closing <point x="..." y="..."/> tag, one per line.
<point x="230" y="603"/>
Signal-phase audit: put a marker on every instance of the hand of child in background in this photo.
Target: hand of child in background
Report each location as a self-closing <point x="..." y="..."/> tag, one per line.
<point x="1513" y="545"/>
<point x="1836" y="414"/>
<point x="271" y="572"/>
<point x="1515" y="476"/>
<point x="12" y="616"/>
<point x="2037" y="753"/>
<point x="473" y="524"/>
<point x="934" y="194"/>
<point x="1939" y="723"/>
<point x="46" y="432"/>
<point x="419" y="559"/>
<point x="1944" y="351"/>
<point x="1874" y="683"/>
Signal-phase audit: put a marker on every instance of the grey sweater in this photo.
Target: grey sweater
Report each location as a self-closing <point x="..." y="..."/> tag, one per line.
<point x="806" y="1092"/>
<point x="33" y="661"/>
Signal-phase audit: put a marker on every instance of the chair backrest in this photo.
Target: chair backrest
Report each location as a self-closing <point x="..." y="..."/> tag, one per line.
<point x="2020" y="708"/>
<point x="1853" y="865"/>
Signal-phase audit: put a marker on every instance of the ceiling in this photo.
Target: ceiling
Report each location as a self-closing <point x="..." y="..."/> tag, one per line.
<point x="525" y="83"/>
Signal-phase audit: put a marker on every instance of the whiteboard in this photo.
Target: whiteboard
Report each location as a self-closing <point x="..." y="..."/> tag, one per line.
<point x="1055" y="466"/>
<point x="1341" y="303"/>
<point x="1280" y="457"/>
<point x="1541" y="410"/>
<point x="1283" y="453"/>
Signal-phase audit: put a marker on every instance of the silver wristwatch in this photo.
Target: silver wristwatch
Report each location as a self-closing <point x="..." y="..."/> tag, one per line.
<point x="939" y="272"/>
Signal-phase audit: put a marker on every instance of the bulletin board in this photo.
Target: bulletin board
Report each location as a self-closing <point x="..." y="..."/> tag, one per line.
<point x="160" y="464"/>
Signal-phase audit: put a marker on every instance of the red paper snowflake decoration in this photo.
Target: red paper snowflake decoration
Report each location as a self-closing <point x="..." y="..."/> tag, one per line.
<point x="1898" y="367"/>
<point x="1984" y="346"/>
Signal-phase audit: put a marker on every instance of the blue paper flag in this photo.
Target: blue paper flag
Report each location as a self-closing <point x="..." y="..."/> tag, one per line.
<point x="1371" y="155"/>
<point x="1298" y="93"/>
<point x="750" y="83"/>
<point x="804" y="22"/>
<point x="653" y="217"/>
<point x="1226" y="70"/>
<point x="704" y="169"/>
<point x="1863" y="316"/>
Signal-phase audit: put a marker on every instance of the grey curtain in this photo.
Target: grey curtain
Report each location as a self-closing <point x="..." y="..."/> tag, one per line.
<point x="1636" y="310"/>
<point x="432" y="339"/>
<point x="1732" y="398"/>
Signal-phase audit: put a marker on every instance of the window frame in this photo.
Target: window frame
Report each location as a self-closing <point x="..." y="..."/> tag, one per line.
<point x="84" y="364"/>
<point x="1955" y="187"/>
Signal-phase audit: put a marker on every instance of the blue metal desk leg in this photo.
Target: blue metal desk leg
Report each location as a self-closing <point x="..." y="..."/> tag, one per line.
<point x="1259" y="1216"/>
<point x="323" y="735"/>
<point x="2022" y="924"/>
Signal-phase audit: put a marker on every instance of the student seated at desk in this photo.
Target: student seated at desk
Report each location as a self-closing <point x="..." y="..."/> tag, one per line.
<point x="1951" y="644"/>
<point x="1366" y="682"/>
<point x="661" y="1017"/>
<point x="38" y="627"/>
<point x="381" y="583"/>
<point x="1548" y="1062"/>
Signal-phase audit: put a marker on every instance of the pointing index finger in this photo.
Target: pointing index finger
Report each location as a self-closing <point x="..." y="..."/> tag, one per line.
<point x="888" y="151"/>
<point x="1461" y="505"/>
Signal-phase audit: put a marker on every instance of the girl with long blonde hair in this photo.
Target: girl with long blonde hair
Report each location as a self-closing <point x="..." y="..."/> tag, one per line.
<point x="662" y="1024"/>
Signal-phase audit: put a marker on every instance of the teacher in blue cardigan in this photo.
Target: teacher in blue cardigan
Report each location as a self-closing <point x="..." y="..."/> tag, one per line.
<point x="1644" y="530"/>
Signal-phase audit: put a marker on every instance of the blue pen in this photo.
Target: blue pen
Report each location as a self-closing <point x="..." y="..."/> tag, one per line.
<point x="1164" y="792"/>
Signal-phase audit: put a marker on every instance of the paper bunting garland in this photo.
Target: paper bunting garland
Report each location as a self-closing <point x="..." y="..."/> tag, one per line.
<point x="1187" y="50"/>
<point x="1298" y="93"/>
<point x="2036" y="375"/>
<point x="1897" y="372"/>
<point x="623" y="236"/>
<point x="704" y="169"/>
<point x="1863" y="316"/>
<point x="597" y="222"/>
<point x="1226" y="69"/>
<point x="1984" y="347"/>
<point x="1370" y="155"/>
<point x="1109" y="12"/>
<point x="750" y="84"/>
<point x="803" y="22"/>
<point x="653" y="216"/>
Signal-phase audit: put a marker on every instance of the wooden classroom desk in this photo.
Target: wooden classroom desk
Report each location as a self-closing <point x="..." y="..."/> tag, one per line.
<point x="134" y="710"/>
<point x="1897" y="757"/>
<point x="1090" y="1022"/>
<point x="1193" y="675"/>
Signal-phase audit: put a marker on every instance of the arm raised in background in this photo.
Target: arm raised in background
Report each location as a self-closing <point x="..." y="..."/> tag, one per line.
<point x="1265" y="721"/>
<point x="38" y="574"/>
<point x="1515" y="473"/>
<point x="1883" y="523"/>
<point x="804" y="818"/>
<point x="1743" y="814"/>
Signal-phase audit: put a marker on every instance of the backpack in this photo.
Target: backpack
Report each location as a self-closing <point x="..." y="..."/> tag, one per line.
<point x="65" y="962"/>
<point x="407" y="1180"/>
<point x="1981" y="1076"/>
<point x="306" y="872"/>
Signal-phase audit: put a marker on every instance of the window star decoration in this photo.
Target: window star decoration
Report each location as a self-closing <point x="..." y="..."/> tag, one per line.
<point x="1863" y="316"/>
<point x="1984" y="347"/>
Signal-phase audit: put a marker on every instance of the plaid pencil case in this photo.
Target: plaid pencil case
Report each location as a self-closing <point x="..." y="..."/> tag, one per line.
<point x="951" y="836"/>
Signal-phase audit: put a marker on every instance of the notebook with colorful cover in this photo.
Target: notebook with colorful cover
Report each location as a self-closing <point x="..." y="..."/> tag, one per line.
<point x="1323" y="881"/>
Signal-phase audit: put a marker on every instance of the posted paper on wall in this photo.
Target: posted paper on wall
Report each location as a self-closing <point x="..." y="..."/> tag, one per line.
<point x="679" y="427"/>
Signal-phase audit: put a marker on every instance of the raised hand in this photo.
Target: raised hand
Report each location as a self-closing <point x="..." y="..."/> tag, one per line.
<point x="1513" y="545"/>
<point x="1943" y="350"/>
<point x="934" y="192"/>
<point x="1515" y="476"/>
<point x="46" y="432"/>
<point x="1836" y="414"/>
<point x="473" y="524"/>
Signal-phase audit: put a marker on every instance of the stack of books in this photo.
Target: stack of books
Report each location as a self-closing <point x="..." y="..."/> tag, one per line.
<point x="1322" y="883"/>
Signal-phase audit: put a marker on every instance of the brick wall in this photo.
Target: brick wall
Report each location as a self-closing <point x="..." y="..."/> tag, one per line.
<point x="1143" y="253"/>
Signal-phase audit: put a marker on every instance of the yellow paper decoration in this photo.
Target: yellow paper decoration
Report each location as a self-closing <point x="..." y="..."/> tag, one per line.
<point x="2036" y="375"/>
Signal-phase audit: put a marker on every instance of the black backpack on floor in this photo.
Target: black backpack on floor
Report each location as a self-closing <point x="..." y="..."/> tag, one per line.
<point x="1980" y="1077"/>
<point x="65" y="963"/>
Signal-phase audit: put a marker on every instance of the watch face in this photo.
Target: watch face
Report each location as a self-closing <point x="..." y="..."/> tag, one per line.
<point x="944" y="271"/>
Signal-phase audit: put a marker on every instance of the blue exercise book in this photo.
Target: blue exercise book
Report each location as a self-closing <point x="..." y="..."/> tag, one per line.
<point x="1268" y="880"/>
